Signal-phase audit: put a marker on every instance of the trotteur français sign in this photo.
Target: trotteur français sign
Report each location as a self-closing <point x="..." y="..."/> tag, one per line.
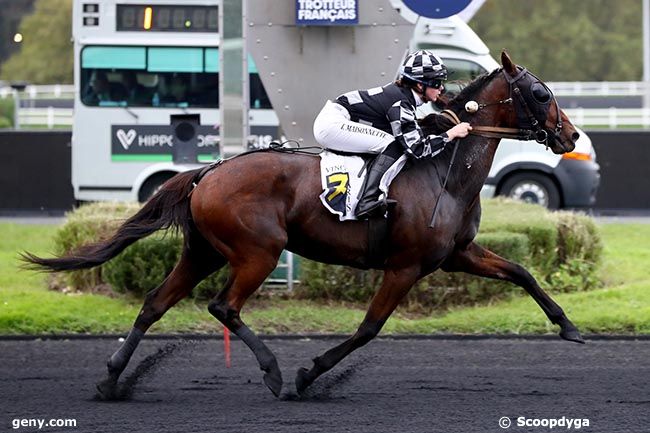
<point x="327" y="12"/>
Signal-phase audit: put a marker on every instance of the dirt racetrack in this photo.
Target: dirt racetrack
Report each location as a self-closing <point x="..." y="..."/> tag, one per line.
<point x="392" y="385"/>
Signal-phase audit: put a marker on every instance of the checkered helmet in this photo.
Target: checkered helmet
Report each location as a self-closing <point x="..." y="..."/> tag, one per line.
<point x="423" y="67"/>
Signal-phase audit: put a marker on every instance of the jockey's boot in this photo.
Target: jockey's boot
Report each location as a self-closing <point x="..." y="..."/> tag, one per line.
<point x="369" y="202"/>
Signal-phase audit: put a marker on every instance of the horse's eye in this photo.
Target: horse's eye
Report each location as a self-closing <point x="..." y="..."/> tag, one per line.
<point x="540" y="93"/>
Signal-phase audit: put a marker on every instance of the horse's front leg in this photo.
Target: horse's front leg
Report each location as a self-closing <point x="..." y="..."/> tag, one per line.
<point x="394" y="287"/>
<point x="476" y="260"/>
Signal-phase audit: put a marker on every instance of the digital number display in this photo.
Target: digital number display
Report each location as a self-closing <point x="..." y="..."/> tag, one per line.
<point x="144" y="18"/>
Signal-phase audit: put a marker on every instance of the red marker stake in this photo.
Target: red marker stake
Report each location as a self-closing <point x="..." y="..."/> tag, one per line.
<point x="226" y="345"/>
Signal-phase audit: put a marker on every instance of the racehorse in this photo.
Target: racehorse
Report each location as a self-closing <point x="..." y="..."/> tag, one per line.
<point x="249" y="208"/>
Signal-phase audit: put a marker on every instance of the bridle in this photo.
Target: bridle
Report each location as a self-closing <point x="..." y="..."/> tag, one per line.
<point x="531" y="115"/>
<point x="530" y="118"/>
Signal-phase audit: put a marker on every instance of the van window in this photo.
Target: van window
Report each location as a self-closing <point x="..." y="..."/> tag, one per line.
<point x="461" y="72"/>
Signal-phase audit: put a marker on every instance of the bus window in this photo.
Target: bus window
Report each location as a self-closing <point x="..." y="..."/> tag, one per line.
<point x="148" y="77"/>
<point x="171" y="77"/>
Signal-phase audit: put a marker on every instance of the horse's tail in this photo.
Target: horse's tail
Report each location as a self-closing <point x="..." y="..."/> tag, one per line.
<point x="169" y="207"/>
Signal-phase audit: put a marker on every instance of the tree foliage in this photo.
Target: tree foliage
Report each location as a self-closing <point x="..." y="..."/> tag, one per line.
<point x="561" y="40"/>
<point x="46" y="55"/>
<point x="567" y="40"/>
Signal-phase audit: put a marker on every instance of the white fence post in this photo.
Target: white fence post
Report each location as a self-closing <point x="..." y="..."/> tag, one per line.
<point x="289" y="271"/>
<point x="50" y="117"/>
<point x="612" y="117"/>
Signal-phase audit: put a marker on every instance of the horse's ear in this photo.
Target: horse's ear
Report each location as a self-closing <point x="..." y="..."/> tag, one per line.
<point x="507" y="63"/>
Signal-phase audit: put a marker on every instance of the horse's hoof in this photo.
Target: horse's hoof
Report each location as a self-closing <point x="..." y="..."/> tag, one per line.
<point x="107" y="389"/>
<point x="274" y="382"/>
<point x="302" y="380"/>
<point x="572" y="335"/>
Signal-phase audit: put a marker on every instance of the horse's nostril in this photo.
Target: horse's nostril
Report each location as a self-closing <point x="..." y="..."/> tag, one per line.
<point x="575" y="136"/>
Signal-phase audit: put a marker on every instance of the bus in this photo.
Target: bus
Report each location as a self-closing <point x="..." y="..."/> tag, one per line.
<point x="136" y="63"/>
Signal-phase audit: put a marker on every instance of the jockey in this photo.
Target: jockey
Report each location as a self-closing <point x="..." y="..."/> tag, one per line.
<point x="382" y="121"/>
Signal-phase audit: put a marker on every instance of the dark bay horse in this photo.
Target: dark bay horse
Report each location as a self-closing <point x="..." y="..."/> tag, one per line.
<point x="249" y="208"/>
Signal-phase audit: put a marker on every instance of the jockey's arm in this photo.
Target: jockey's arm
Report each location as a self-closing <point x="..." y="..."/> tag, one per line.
<point x="408" y="134"/>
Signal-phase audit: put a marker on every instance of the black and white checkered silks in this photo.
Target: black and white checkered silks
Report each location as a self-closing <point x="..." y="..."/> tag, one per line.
<point x="366" y="121"/>
<point x="407" y="132"/>
<point x="423" y="65"/>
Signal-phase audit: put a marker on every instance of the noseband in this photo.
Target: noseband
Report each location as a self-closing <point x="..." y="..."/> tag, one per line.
<point x="532" y="101"/>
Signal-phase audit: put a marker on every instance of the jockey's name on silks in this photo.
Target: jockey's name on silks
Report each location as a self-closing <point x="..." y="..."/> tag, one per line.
<point x="363" y="130"/>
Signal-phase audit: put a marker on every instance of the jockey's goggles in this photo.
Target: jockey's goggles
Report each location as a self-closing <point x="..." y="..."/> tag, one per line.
<point x="436" y="83"/>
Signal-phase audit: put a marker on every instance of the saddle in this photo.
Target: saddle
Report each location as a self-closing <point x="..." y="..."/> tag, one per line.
<point x="342" y="176"/>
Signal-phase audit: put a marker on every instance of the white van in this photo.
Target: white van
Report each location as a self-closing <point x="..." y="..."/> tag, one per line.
<point x="521" y="169"/>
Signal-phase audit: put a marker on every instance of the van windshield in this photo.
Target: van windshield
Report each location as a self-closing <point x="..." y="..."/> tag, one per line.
<point x="461" y="72"/>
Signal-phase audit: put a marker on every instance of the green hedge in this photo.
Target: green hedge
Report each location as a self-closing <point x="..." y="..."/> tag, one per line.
<point x="138" y="269"/>
<point x="88" y="224"/>
<point x="6" y="113"/>
<point x="561" y="249"/>
<point x="440" y="289"/>
<point x="143" y="265"/>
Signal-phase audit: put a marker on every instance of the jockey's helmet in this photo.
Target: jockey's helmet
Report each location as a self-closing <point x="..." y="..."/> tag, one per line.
<point x="424" y="67"/>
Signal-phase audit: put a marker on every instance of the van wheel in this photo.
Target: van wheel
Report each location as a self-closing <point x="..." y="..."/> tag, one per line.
<point x="532" y="188"/>
<point x="152" y="185"/>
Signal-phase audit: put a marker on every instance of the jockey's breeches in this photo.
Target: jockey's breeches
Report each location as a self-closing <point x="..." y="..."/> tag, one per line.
<point x="333" y="129"/>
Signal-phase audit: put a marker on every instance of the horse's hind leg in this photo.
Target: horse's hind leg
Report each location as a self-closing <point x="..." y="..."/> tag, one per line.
<point x="197" y="261"/>
<point x="476" y="260"/>
<point x="394" y="287"/>
<point x="246" y="276"/>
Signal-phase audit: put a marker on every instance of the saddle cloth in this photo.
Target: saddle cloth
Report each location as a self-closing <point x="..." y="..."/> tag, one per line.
<point x="342" y="177"/>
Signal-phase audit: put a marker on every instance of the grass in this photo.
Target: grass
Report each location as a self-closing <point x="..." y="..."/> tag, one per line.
<point x="622" y="306"/>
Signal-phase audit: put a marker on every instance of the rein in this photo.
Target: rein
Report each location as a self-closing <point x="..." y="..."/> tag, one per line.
<point x="493" y="131"/>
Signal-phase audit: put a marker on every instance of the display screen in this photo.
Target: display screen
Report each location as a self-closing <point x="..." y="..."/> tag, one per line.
<point x="172" y="18"/>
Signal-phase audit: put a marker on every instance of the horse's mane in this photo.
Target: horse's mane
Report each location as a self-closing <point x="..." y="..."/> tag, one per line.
<point x="457" y="104"/>
<point x="436" y="124"/>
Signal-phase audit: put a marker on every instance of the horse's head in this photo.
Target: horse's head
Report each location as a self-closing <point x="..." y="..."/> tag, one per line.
<point x="536" y="109"/>
<point x="509" y="102"/>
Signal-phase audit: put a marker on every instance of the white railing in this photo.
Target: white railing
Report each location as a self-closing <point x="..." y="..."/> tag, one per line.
<point x="610" y="118"/>
<point x="54" y="91"/>
<point x="49" y="117"/>
<point x="560" y="88"/>
<point x="598" y="88"/>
